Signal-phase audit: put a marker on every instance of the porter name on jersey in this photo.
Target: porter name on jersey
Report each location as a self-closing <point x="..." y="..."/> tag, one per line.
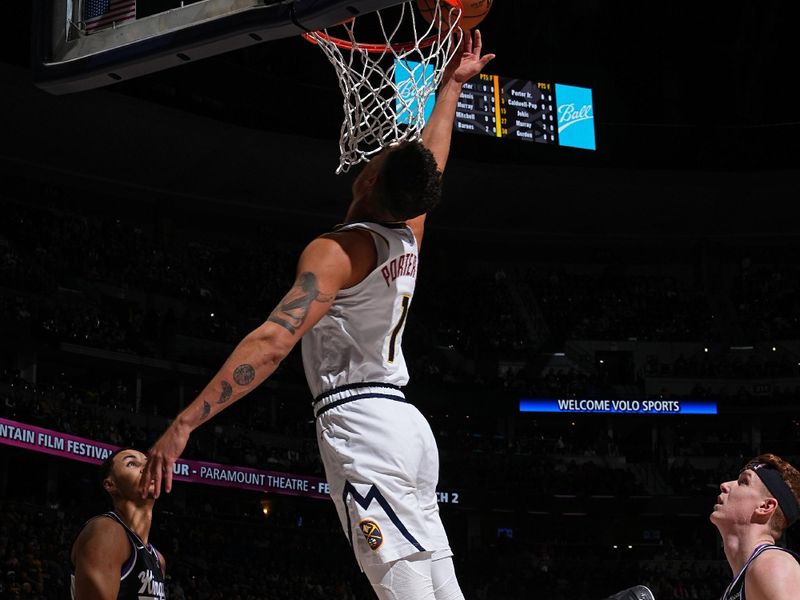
<point x="400" y="266"/>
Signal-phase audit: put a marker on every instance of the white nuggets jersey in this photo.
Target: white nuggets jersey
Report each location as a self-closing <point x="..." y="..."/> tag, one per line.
<point x="359" y="340"/>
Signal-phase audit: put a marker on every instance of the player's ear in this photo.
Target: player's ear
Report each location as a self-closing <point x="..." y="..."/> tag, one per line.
<point x="766" y="509"/>
<point x="108" y="485"/>
<point x="371" y="172"/>
<point x="366" y="179"/>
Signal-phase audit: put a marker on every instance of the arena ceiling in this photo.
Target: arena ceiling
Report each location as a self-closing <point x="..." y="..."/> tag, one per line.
<point x="696" y="123"/>
<point x="688" y="85"/>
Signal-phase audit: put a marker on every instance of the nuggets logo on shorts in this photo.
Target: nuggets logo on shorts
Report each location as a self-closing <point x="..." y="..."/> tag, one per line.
<point x="372" y="533"/>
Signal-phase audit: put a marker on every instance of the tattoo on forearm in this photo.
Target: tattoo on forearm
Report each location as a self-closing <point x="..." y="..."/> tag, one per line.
<point x="225" y="395"/>
<point x="291" y="313"/>
<point x="243" y="374"/>
<point x="206" y="410"/>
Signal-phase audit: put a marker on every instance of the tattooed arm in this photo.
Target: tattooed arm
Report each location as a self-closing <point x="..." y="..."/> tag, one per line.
<point x="327" y="265"/>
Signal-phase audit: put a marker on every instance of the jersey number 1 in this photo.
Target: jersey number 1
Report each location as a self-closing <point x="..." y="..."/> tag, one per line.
<point x="398" y="328"/>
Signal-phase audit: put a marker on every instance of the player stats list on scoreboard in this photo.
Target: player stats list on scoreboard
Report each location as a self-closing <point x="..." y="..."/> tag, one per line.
<point x="508" y="108"/>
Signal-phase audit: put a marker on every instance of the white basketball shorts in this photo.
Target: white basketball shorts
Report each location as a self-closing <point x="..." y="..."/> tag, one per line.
<point x="382" y="467"/>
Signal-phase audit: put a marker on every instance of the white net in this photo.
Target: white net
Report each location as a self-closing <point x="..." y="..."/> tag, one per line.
<point x="389" y="86"/>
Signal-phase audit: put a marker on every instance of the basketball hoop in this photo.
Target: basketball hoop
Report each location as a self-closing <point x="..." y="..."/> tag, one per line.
<point x="387" y="83"/>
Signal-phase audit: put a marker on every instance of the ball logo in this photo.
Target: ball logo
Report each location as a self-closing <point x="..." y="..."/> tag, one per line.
<point x="568" y="115"/>
<point x="410" y="79"/>
<point x="372" y="533"/>
<point x="575" y="117"/>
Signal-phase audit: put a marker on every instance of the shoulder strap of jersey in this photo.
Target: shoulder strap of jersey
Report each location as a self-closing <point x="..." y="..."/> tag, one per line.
<point x="363" y="227"/>
<point x="157" y="554"/>
<point x="128" y="564"/>
<point x="130" y="532"/>
<point x="81" y="528"/>
<point x="756" y="553"/>
<point x="136" y="543"/>
<point x="383" y="250"/>
<point x="766" y="547"/>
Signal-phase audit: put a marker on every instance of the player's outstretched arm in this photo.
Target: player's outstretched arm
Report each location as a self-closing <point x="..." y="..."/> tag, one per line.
<point x="438" y="132"/>
<point x="465" y="65"/>
<point x="98" y="554"/>
<point x="323" y="269"/>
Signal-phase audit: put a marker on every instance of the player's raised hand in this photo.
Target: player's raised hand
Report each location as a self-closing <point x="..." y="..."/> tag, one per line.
<point x="470" y="63"/>
<point x="160" y="459"/>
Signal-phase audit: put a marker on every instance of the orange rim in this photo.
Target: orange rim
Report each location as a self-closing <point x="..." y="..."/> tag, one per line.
<point x="381" y="48"/>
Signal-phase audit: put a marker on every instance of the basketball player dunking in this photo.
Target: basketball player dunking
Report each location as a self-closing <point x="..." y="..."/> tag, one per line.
<point x="751" y="513"/>
<point x="111" y="556"/>
<point x="349" y="304"/>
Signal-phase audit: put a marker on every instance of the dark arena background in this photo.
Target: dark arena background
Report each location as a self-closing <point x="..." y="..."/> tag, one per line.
<point x="145" y="227"/>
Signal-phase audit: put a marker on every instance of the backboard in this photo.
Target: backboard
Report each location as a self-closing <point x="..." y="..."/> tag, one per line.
<point x="84" y="44"/>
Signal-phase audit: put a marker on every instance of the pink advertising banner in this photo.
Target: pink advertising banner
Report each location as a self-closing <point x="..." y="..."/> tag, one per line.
<point x="69" y="446"/>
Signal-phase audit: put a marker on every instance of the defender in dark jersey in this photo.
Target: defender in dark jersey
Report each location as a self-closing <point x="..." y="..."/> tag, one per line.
<point x="112" y="558"/>
<point x="752" y="513"/>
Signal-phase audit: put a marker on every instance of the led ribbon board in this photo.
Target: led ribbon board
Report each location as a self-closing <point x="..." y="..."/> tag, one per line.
<point x="64" y="445"/>
<point x="625" y="407"/>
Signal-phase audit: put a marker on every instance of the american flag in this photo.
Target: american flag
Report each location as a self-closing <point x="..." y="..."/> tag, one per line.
<point x="99" y="14"/>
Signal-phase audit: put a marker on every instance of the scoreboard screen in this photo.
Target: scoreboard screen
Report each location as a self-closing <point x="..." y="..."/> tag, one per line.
<point x="546" y="113"/>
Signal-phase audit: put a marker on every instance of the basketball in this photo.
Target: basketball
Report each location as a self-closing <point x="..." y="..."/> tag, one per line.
<point x="474" y="11"/>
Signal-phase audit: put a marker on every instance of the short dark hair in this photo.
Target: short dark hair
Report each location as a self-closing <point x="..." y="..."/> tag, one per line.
<point x="108" y="464"/>
<point x="409" y="182"/>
